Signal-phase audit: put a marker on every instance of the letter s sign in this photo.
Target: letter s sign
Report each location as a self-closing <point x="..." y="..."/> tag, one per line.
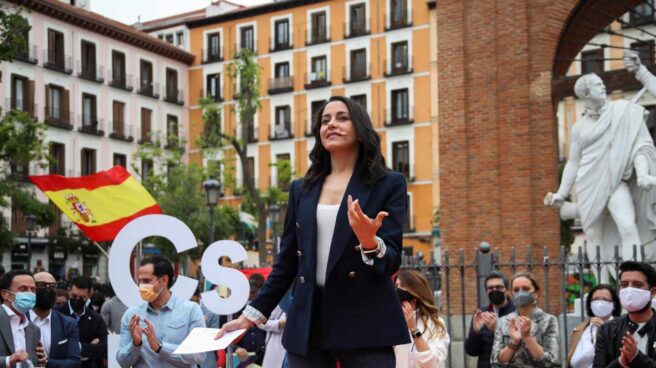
<point x="183" y="239"/>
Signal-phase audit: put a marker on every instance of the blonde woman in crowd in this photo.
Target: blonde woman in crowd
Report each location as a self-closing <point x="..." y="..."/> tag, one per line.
<point x="430" y="340"/>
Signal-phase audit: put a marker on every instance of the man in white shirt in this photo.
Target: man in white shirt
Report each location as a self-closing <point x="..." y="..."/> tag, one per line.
<point x="19" y="335"/>
<point x="59" y="333"/>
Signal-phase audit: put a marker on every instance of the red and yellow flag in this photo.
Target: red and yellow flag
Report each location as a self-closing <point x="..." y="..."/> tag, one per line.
<point x="99" y="204"/>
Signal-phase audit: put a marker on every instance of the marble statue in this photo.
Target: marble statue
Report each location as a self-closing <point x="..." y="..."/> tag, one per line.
<point x="612" y="166"/>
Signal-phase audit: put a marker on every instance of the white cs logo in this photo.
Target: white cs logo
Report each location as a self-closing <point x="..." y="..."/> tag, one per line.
<point x="183" y="239"/>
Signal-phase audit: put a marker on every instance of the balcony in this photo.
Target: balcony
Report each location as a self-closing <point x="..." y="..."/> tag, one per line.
<point x="21" y="106"/>
<point x="121" y="132"/>
<point x="58" y="118"/>
<point x="352" y="30"/>
<point x="89" y="124"/>
<point x="145" y="135"/>
<point x="120" y="80"/>
<point x="91" y="72"/>
<point x="317" y="79"/>
<point x="282" y="131"/>
<point x="281" y="85"/>
<point x="238" y="47"/>
<point x="317" y="36"/>
<point x="57" y="62"/>
<point x="280" y="46"/>
<point x="215" y="96"/>
<point x="148" y="89"/>
<point x="399" y="20"/>
<point x="27" y="55"/>
<point x="174" y="95"/>
<point x="398" y="68"/>
<point x="357" y="73"/>
<point x="400" y="117"/>
<point x="212" y="55"/>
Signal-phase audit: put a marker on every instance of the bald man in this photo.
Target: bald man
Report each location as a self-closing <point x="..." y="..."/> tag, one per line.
<point x="59" y="333"/>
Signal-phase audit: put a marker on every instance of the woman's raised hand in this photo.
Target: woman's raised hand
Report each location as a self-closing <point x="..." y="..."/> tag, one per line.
<point x="364" y="227"/>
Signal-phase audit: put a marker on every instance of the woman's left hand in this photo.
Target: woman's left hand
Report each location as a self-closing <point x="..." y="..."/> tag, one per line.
<point x="364" y="227"/>
<point x="409" y="315"/>
<point x="525" y="326"/>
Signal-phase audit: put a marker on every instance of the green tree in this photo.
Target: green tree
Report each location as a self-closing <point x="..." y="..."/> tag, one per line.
<point x="13" y="27"/>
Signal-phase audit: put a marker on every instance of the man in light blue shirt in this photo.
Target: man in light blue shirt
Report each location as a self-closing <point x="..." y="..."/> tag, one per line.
<point x="151" y="331"/>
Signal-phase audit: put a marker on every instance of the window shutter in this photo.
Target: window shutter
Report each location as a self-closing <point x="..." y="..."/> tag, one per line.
<point x="64" y="107"/>
<point x="29" y="97"/>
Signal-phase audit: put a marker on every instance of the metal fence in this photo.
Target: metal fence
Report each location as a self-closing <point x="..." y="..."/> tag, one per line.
<point x="564" y="281"/>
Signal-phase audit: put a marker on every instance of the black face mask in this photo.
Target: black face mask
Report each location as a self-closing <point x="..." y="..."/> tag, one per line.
<point x="77" y="305"/>
<point x="404" y="296"/>
<point x="497" y="297"/>
<point x="45" y="298"/>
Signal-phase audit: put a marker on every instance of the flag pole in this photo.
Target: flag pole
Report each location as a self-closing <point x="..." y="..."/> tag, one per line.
<point x="101" y="249"/>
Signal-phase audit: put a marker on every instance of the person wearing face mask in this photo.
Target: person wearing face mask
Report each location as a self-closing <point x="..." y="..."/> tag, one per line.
<point x="481" y="332"/>
<point x="527" y="337"/>
<point x="91" y="326"/>
<point x="18" y="336"/>
<point x="152" y="330"/>
<point x="630" y="340"/>
<point x="602" y="305"/>
<point x="60" y="341"/>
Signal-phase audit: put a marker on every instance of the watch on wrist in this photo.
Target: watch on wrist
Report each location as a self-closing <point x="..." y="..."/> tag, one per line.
<point x="416" y="334"/>
<point x="159" y="348"/>
<point x="513" y="346"/>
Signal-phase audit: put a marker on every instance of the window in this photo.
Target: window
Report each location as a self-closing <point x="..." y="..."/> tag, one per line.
<point x="118" y="126"/>
<point x="120" y="160"/>
<point x="592" y="61"/>
<point x="171" y="85"/>
<point x="89" y="110"/>
<point x="171" y="130"/>
<point x="169" y="38"/>
<point x="22" y="94"/>
<point x="88" y="161"/>
<point x="247" y="38"/>
<point x="319" y="69"/>
<point x="399" y="57"/>
<point x="319" y="25"/>
<point x="398" y="13"/>
<point x="214" y="86"/>
<point x="645" y="50"/>
<point x="282" y="34"/>
<point x="358" y="21"/>
<point x="179" y="38"/>
<point x="358" y="64"/>
<point x="214" y="47"/>
<point x="118" y="68"/>
<point x="146" y="75"/>
<point x="283" y="182"/>
<point x="316" y="106"/>
<point x="56" y="49"/>
<point x="282" y="70"/>
<point x="401" y="158"/>
<point x="400" y="108"/>
<point x="146" y="168"/>
<point x="146" y="116"/>
<point x="642" y="14"/>
<point x="57" y="104"/>
<point x="361" y="99"/>
<point x="251" y="169"/>
<point x="160" y="36"/>
<point x="283" y="122"/>
<point x="58" y="162"/>
<point x="88" y="53"/>
<point x="251" y="130"/>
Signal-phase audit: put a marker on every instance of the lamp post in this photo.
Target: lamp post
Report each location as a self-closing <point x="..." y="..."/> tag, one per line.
<point x="31" y="226"/>
<point x="274" y="216"/>
<point x="212" y="193"/>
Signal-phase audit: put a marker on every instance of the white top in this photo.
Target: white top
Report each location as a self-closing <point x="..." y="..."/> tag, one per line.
<point x="326" y="218"/>
<point x="17" y="330"/>
<point x="584" y="353"/>
<point x="641" y="340"/>
<point x="407" y="355"/>
<point x="45" y="326"/>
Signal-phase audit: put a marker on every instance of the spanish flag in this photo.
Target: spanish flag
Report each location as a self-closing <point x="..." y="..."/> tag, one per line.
<point x="99" y="204"/>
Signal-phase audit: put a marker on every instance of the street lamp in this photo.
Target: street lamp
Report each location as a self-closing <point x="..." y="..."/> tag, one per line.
<point x="212" y="193"/>
<point x="31" y="226"/>
<point x="274" y="216"/>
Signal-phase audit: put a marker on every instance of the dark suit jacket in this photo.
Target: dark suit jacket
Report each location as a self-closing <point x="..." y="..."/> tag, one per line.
<point x="360" y="306"/>
<point x="90" y="326"/>
<point x="32" y="337"/>
<point x="64" y="342"/>
<point x="609" y="341"/>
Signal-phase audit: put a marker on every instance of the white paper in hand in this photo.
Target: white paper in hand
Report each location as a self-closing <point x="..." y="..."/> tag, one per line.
<point x="201" y="340"/>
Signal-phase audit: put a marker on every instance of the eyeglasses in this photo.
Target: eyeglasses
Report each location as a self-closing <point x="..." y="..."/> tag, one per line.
<point x="495" y="287"/>
<point x="44" y="285"/>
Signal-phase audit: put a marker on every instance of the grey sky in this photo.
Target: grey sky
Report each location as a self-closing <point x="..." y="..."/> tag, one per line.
<point x="127" y="11"/>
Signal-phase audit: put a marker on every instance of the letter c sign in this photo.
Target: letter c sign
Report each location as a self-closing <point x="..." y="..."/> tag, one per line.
<point x="183" y="239"/>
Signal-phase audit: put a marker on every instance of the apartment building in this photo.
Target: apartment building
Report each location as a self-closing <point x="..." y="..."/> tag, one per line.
<point x="103" y="89"/>
<point x="375" y="51"/>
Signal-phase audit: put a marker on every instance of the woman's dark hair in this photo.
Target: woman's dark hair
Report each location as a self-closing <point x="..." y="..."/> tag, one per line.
<point x="617" y="307"/>
<point x="369" y="154"/>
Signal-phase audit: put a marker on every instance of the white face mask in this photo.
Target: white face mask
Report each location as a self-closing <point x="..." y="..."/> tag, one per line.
<point x="602" y="308"/>
<point x="634" y="299"/>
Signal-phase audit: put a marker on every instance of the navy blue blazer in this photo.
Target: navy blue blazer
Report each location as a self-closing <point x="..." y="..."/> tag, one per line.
<point x="64" y="342"/>
<point x="360" y="306"/>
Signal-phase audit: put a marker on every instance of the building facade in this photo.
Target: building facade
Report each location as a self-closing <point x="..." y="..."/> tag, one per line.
<point x="102" y="88"/>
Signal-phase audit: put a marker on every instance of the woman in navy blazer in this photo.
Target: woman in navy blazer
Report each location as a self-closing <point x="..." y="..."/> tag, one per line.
<point x="345" y="306"/>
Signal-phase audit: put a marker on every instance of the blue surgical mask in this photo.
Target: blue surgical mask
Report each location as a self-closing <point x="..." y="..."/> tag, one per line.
<point x="24" y="302"/>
